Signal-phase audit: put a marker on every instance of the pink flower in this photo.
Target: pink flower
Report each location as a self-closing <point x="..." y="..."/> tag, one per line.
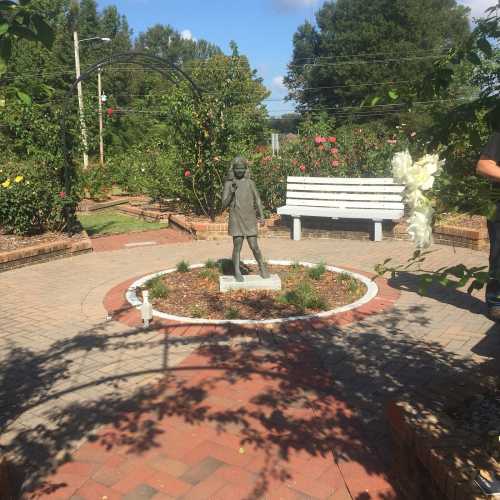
<point x="62" y="194"/>
<point x="413" y="134"/>
<point x="391" y="141"/>
<point x="335" y="163"/>
<point x="302" y="168"/>
<point x="187" y="173"/>
<point x="332" y="139"/>
<point x="294" y="162"/>
<point x="266" y="159"/>
<point x="334" y="151"/>
<point x="318" y="139"/>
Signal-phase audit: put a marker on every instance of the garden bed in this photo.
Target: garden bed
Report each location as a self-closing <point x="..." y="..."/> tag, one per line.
<point x="195" y="293"/>
<point x="18" y="251"/>
<point x="441" y="445"/>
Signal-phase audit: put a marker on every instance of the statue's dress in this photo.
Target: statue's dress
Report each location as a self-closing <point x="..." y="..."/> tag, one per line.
<point x="242" y="207"/>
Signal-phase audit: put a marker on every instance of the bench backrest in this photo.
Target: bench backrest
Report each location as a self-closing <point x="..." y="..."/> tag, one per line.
<point x="345" y="193"/>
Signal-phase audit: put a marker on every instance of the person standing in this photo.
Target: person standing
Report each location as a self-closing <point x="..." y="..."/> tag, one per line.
<point x="489" y="166"/>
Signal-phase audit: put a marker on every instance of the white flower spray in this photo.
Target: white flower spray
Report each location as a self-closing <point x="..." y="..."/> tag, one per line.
<point x="417" y="177"/>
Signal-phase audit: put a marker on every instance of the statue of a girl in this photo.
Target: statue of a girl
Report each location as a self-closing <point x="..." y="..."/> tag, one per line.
<point x="240" y="195"/>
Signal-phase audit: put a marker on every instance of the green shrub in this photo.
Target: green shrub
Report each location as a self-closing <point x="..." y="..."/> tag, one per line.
<point x="32" y="200"/>
<point x="303" y="297"/>
<point x="157" y="288"/>
<point x="317" y="271"/>
<point x="349" y="283"/>
<point x="183" y="266"/>
<point x="211" y="264"/>
<point x="95" y="181"/>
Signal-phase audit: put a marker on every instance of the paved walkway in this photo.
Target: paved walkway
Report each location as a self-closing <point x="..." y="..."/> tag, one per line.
<point x="281" y="413"/>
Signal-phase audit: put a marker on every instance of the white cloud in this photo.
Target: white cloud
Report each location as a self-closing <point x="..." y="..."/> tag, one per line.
<point x="477" y="7"/>
<point x="294" y="4"/>
<point x="277" y="84"/>
<point x="187" y="35"/>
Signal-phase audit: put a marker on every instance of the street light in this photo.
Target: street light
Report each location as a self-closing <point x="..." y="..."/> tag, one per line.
<point x="80" y="92"/>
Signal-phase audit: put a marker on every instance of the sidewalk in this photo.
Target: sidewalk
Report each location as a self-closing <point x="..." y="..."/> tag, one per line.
<point x="283" y="413"/>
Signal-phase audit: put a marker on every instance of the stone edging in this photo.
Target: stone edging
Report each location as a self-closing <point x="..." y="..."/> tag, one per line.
<point x="149" y="215"/>
<point x="119" y="309"/>
<point x="44" y="252"/>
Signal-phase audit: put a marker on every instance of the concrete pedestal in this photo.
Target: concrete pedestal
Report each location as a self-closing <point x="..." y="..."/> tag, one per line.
<point x="251" y="282"/>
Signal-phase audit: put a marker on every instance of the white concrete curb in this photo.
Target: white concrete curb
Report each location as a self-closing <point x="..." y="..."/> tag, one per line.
<point x="371" y="292"/>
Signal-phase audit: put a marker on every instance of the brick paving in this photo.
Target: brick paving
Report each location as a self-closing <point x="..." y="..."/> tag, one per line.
<point x="256" y="413"/>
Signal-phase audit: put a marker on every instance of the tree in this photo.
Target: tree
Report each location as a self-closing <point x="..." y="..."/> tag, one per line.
<point x="359" y="47"/>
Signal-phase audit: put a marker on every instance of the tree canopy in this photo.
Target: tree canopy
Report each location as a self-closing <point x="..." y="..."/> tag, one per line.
<point x="362" y="49"/>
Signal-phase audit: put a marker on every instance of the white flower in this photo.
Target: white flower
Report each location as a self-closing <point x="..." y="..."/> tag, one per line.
<point x="401" y="164"/>
<point x="420" y="227"/>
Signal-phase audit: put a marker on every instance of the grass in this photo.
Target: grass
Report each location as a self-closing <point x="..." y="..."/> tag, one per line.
<point x="182" y="266"/>
<point x="317" y="271"/>
<point x="113" y="222"/>
<point x="210" y="274"/>
<point x="231" y="313"/>
<point x="351" y="284"/>
<point x="211" y="264"/>
<point x="303" y="296"/>
<point x="157" y="288"/>
<point x="198" y="312"/>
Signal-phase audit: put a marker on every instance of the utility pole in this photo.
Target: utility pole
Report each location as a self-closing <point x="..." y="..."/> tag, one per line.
<point x="80" y="101"/>
<point x="101" y="141"/>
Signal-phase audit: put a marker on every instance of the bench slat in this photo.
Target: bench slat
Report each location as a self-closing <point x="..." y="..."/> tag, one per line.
<point x="348" y="213"/>
<point x="345" y="204"/>
<point x="342" y="180"/>
<point x="346" y="188"/>
<point x="344" y="196"/>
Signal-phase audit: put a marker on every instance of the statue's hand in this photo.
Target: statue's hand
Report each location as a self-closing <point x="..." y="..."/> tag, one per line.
<point x="234" y="187"/>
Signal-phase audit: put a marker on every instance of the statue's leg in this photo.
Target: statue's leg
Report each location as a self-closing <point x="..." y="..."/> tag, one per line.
<point x="237" y="244"/>
<point x="254" y="246"/>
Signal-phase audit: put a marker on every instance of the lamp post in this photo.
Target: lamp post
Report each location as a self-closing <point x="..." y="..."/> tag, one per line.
<point x="80" y="91"/>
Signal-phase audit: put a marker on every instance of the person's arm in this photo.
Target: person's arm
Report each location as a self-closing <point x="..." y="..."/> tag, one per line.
<point x="488" y="168"/>
<point x="258" y="202"/>
<point x="227" y="195"/>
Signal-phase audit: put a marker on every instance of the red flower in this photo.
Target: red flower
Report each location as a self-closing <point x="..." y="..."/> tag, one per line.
<point x="319" y="140"/>
<point x="332" y="139"/>
<point x="335" y="163"/>
<point x="187" y="173"/>
<point x="302" y="168"/>
<point x="294" y="162"/>
<point x="62" y="194"/>
<point x="110" y="112"/>
<point x="334" y="151"/>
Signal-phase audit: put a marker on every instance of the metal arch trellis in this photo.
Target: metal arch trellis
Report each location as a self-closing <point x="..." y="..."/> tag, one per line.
<point x="168" y="70"/>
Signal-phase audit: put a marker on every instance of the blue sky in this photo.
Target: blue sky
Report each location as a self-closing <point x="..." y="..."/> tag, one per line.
<point x="263" y="29"/>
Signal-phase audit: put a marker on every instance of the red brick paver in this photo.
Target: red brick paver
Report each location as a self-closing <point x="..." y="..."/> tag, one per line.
<point x="120" y="241"/>
<point x="230" y="422"/>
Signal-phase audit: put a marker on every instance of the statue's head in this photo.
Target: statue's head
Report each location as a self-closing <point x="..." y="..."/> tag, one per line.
<point x="240" y="167"/>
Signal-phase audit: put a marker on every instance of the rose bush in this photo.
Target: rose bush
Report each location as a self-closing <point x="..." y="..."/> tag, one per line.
<point x="348" y="151"/>
<point x="32" y="200"/>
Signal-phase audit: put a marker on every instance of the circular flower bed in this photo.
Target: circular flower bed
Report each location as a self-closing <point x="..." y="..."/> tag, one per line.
<point x="191" y="293"/>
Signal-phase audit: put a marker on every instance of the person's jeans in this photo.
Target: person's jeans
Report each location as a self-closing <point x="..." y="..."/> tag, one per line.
<point x="493" y="286"/>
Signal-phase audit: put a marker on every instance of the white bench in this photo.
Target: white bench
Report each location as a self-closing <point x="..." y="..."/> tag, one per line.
<point x="376" y="199"/>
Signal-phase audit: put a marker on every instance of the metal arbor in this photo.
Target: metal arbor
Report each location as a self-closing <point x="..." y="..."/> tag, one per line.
<point x="169" y="71"/>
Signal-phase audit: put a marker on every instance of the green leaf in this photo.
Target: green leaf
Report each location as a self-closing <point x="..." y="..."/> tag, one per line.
<point x="23" y="97"/>
<point x="5" y="52"/>
<point x="4" y="27"/>
<point x="474" y="58"/>
<point x="7" y="4"/>
<point x="44" y="31"/>
<point x="393" y="94"/>
<point x="485" y="47"/>
<point x="22" y="32"/>
<point x="375" y="100"/>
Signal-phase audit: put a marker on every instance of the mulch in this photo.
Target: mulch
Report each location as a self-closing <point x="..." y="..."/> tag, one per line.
<point x="196" y="294"/>
<point x="10" y="242"/>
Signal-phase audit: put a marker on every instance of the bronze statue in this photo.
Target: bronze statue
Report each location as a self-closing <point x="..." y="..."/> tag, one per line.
<point x="240" y="195"/>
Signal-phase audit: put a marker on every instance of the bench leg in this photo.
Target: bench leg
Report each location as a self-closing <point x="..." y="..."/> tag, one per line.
<point x="377" y="230"/>
<point x="296" y="229"/>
